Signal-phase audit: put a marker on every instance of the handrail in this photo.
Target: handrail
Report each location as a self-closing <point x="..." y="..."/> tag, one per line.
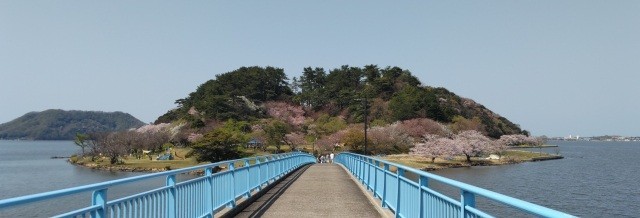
<point x="393" y="185"/>
<point x="242" y="181"/>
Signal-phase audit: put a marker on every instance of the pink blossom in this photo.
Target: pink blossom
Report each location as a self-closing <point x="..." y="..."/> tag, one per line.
<point x="150" y="128"/>
<point x="418" y="127"/>
<point x="294" y="115"/>
<point x="434" y="146"/>
<point x="472" y="143"/>
<point x="194" y="137"/>
<point x="515" y="140"/>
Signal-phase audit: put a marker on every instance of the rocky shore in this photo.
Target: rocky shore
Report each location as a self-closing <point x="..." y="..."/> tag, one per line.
<point x="121" y="168"/>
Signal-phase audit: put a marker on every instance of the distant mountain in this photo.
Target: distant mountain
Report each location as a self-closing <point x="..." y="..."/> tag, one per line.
<point x="63" y="125"/>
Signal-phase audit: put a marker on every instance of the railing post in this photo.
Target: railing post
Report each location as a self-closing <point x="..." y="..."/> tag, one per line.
<point x="209" y="204"/>
<point x="369" y="174"/>
<point x="363" y="171"/>
<point x="272" y="168"/>
<point x="99" y="197"/>
<point x="399" y="175"/>
<point x="232" y="168"/>
<point x="279" y="172"/>
<point x="259" y="174"/>
<point x="375" y="177"/>
<point x="384" y="185"/>
<point x="171" y="196"/>
<point x="267" y="174"/>
<point x="360" y="169"/>
<point x="246" y="165"/>
<point x="424" y="182"/>
<point x="466" y="199"/>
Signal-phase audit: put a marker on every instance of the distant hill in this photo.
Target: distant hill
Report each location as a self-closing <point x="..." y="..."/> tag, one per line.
<point x="393" y="93"/>
<point x="63" y="125"/>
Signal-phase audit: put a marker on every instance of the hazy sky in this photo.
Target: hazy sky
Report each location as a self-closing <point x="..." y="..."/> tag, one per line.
<point x="554" y="67"/>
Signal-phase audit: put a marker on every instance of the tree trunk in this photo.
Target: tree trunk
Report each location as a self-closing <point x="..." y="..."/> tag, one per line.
<point x="114" y="160"/>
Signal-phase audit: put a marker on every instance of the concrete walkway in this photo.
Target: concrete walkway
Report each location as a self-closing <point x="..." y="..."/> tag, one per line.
<point x="319" y="190"/>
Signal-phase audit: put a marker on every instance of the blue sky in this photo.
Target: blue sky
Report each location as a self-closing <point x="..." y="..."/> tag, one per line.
<point x="554" y="67"/>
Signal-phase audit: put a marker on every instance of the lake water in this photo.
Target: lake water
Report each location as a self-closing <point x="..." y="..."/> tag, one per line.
<point x="595" y="179"/>
<point x="26" y="168"/>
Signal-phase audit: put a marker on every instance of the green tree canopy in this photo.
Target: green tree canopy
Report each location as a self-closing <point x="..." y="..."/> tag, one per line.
<point x="275" y="132"/>
<point x="219" y="145"/>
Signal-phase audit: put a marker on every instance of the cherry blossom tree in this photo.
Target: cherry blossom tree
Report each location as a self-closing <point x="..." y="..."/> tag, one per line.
<point x="294" y="139"/>
<point x="113" y="145"/>
<point x="472" y="143"/>
<point x="153" y="128"/>
<point x="291" y="114"/>
<point x="434" y="146"/>
<point x="330" y="142"/>
<point x="418" y="127"/>
<point x="389" y="139"/>
<point x="516" y="140"/>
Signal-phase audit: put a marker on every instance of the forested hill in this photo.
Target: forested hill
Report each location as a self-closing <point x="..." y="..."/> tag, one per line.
<point x="391" y="93"/>
<point x="63" y="125"/>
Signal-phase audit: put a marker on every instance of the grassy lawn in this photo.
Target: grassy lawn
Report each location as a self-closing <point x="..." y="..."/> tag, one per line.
<point x="180" y="160"/>
<point x="508" y="157"/>
<point x="144" y="163"/>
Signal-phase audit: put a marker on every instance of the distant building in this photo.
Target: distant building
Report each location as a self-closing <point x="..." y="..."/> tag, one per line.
<point x="254" y="143"/>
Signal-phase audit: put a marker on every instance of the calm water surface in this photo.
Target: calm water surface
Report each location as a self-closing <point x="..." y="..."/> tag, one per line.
<point x="596" y="179"/>
<point x="26" y="168"/>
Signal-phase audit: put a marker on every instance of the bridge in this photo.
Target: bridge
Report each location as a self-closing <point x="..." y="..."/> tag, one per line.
<point x="289" y="185"/>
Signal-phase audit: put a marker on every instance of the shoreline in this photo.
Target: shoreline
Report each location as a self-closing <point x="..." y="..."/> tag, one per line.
<point x="425" y="164"/>
<point x="118" y="168"/>
<point x="484" y="164"/>
<point x="542" y="146"/>
<point x="409" y="163"/>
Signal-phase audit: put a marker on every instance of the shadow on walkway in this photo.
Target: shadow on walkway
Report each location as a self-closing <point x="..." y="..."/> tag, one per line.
<point x="262" y="204"/>
<point x="318" y="190"/>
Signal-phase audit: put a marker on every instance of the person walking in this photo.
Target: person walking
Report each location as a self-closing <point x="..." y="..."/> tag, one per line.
<point x="322" y="159"/>
<point x="331" y="157"/>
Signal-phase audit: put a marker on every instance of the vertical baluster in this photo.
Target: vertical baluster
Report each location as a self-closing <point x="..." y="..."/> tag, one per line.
<point x="149" y="205"/>
<point x="130" y="208"/>
<point x="152" y="205"/>
<point x="157" y="205"/>
<point x="125" y="209"/>
<point x="119" y="209"/>
<point x="111" y="211"/>
<point x="136" y="208"/>
<point x="141" y="205"/>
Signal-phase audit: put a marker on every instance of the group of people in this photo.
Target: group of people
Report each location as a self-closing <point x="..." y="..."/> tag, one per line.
<point x="327" y="158"/>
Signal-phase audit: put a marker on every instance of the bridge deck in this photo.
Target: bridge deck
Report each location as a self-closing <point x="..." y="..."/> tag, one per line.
<point x="319" y="190"/>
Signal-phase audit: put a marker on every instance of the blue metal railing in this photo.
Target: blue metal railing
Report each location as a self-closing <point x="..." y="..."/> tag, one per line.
<point x="198" y="197"/>
<point x="409" y="198"/>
